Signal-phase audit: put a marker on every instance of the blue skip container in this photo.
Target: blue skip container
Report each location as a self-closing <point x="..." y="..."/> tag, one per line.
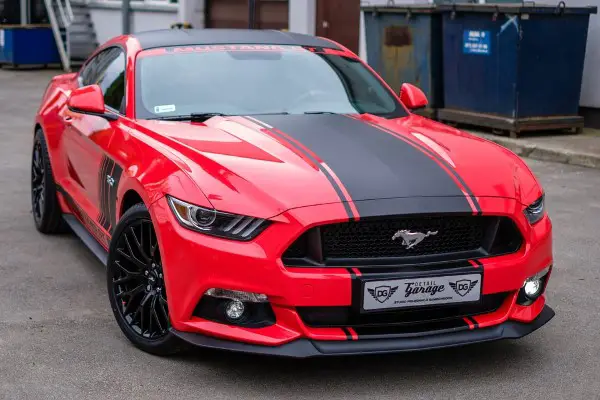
<point x="513" y="67"/>
<point x="27" y="45"/>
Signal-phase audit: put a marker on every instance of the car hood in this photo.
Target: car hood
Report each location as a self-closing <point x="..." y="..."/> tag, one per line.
<point x="267" y="164"/>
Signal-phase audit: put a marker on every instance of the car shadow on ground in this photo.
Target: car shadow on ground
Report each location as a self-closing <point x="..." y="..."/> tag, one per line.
<point x="455" y="364"/>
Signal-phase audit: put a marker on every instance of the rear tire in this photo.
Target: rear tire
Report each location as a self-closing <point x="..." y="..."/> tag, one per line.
<point x="136" y="287"/>
<point x="45" y="207"/>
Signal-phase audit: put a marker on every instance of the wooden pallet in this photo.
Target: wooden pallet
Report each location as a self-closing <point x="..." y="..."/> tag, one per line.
<point x="512" y="127"/>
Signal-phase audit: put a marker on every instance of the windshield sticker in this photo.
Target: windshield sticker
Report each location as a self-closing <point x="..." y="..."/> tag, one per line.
<point x="164" y="109"/>
<point x="231" y="47"/>
<point x="215" y="48"/>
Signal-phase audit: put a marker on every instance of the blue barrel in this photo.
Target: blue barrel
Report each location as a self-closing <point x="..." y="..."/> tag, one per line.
<point x="514" y="67"/>
<point x="27" y="45"/>
<point x="404" y="45"/>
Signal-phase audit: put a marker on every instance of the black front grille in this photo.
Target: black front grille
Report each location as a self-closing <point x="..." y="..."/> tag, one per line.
<point x="399" y="320"/>
<point x="371" y="239"/>
<point x="368" y="241"/>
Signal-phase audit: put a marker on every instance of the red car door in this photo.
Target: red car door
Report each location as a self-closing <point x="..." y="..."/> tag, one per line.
<point x="93" y="175"/>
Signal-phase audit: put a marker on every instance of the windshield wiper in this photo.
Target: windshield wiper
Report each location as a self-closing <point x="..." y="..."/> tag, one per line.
<point x="201" y="117"/>
<point x="319" y="112"/>
<point x="195" y="117"/>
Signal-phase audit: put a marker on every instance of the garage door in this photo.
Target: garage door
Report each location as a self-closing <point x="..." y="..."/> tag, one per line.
<point x="269" y="14"/>
<point x="339" y="20"/>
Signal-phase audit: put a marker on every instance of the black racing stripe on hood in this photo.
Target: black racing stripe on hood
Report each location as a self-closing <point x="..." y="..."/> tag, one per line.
<point x="371" y="163"/>
<point x="451" y="170"/>
<point x="325" y="172"/>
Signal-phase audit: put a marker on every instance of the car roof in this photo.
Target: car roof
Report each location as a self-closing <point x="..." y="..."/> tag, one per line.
<point x="190" y="37"/>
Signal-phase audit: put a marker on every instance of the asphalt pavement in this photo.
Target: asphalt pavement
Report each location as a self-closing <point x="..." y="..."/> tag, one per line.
<point x="58" y="339"/>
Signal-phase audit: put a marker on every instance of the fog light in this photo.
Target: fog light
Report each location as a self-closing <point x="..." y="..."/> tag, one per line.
<point x="532" y="288"/>
<point x="234" y="309"/>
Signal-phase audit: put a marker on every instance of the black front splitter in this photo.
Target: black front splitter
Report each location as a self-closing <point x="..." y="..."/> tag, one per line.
<point x="304" y="348"/>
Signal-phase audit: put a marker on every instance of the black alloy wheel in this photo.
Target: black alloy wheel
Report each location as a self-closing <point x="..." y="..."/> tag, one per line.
<point x="136" y="284"/>
<point x="47" y="214"/>
<point x="38" y="182"/>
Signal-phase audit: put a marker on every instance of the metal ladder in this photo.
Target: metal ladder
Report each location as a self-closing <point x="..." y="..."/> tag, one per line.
<point x="60" y="28"/>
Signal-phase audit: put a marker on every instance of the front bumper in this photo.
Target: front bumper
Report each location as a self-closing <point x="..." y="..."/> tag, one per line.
<point x="304" y="348"/>
<point x="194" y="262"/>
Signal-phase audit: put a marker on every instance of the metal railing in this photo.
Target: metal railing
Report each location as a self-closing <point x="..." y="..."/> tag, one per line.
<point x="64" y="21"/>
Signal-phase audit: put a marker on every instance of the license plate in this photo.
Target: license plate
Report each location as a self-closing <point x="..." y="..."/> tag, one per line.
<point x="421" y="292"/>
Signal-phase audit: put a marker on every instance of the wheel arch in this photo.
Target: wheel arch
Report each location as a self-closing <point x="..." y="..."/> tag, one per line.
<point x="130" y="192"/>
<point x="130" y="198"/>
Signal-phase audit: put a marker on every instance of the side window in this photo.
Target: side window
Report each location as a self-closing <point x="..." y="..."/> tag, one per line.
<point x="93" y="70"/>
<point x="112" y="83"/>
<point x="107" y="69"/>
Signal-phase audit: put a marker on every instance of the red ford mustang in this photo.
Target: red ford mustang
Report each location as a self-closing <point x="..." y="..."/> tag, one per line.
<point x="267" y="192"/>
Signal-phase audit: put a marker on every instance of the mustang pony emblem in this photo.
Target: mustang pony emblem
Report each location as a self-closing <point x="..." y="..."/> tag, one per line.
<point x="411" y="239"/>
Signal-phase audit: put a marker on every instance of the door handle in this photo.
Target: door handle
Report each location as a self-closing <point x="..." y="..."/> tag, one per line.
<point x="68" y="119"/>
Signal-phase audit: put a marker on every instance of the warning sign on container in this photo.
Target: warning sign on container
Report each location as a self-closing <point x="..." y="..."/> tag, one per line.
<point x="476" y="42"/>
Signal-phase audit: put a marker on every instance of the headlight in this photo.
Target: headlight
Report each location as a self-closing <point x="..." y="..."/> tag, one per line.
<point x="535" y="211"/>
<point x="216" y="223"/>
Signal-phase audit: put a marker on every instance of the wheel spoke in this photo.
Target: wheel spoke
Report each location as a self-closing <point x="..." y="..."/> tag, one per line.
<point x="41" y="202"/>
<point x="161" y="302"/>
<point x="36" y="159"/>
<point x="128" y="272"/>
<point x="150" y="243"/>
<point x="141" y="309"/>
<point x="131" y="292"/>
<point x="138" y="243"/>
<point x="130" y="304"/>
<point x="143" y="302"/>
<point x="128" y="245"/>
<point x="134" y="260"/>
<point x="122" y="280"/>
<point x="36" y="176"/>
<point x="36" y="195"/>
<point x="150" y="319"/>
<point x="155" y="314"/>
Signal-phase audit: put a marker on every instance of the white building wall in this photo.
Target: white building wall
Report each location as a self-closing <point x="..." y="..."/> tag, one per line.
<point x="303" y="16"/>
<point x="192" y="12"/>
<point x="107" y="20"/>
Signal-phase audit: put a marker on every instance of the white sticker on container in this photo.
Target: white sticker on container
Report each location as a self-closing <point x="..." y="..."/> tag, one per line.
<point x="164" y="108"/>
<point x="1" y="37"/>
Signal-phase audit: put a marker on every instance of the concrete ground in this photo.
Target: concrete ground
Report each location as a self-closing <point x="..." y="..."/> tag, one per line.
<point x="58" y="339"/>
<point x="576" y="149"/>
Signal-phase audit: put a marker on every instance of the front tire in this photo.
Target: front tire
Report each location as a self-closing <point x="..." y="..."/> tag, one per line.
<point x="136" y="286"/>
<point x="47" y="214"/>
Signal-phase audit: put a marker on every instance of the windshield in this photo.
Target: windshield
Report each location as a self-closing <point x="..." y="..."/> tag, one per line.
<point x="246" y="80"/>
